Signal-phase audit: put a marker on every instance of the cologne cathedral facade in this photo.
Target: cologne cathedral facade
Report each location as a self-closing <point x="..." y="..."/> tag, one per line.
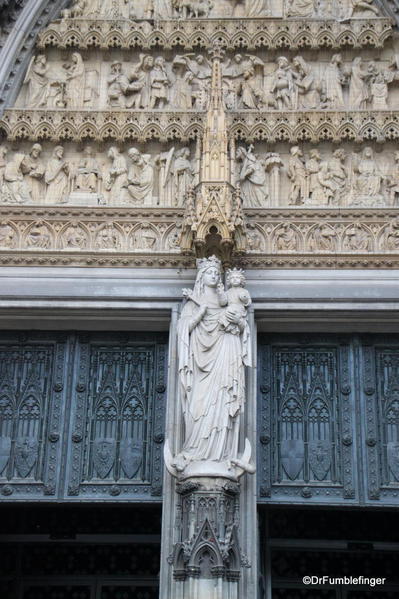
<point x="199" y="299"/>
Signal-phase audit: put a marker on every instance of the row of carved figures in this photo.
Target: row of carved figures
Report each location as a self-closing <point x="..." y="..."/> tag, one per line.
<point x="188" y="9"/>
<point x="90" y="236"/>
<point x="323" y="237"/>
<point x="336" y="179"/>
<point x="148" y="236"/>
<point x="267" y="179"/>
<point x="184" y="84"/>
<point x="28" y="178"/>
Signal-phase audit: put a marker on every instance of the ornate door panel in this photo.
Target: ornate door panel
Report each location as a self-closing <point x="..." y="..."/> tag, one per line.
<point x="306" y="426"/>
<point x="32" y="400"/>
<point x="380" y="402"/>
<point x="117" y="418"/>
<point x="81" y="416"/>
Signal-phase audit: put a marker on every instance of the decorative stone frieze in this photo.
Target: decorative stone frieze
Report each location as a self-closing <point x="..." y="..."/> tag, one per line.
<point x="275" y="238"/>
<point x="271" y="126"/>
<point x="272" y="34"/>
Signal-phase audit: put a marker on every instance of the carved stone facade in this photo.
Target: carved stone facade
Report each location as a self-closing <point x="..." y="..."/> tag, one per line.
<point x="132" y="127"/>
<point x="141" y="140"/>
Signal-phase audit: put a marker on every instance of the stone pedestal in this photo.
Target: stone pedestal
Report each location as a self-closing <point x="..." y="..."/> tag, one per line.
<point x="206" y="555"/>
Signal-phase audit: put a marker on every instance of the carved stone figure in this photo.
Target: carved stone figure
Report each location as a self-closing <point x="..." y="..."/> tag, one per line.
<point x="38" y="237"/>
<point x="235" y="298"/>
<point x="88" y="173"/>
<point x="118" y="85"/>
<point x="307" y="88"/>
<point x="3" y="162"/>
<point x="34" y="176"/>
<point x="108" y="238"/>
<point x="74" y="237"/>
<point x="379" y="79"/>
<point x="200" y="67"/>
<point x="356" y="238"/>
<point x="57" y="177"/>
<point x="78" y="9"/>
<point x="393" y="181"/>
<point x="251" y="94"/>
<point x="192" y="8"/>
<point x="75" y="82"/>
<point x="390" y="239"/>
<point x="283" y="88"/>
<point x="140" y="178"/>
<point x="323" y="239"/>
<point x="321" y="188"/>
<point x="8" y="237"/>
<point x="338" y="174"/>
<point x="37" y="82"/>
<point x="183" y="175"/>
<point x="182" y="91"/>
<point x="333" y="81"/>
<point x="212" y="360"/>
<point x="367" y="178"/>
<point x="116" y="179"/>
<point x="15" y="189"/>
<point x="254" y="239"/>
<point x="285" y="239"/>
<point x="297" y="173"/>
<point x="138" y="88"/>
<point x="252" y="178"/>
<point x="362" y="9"/>
<point x="300" y="8"/>
<point x="358" y="86"/>
<point x="145" y="238"/>
<point x="160" y="83"/>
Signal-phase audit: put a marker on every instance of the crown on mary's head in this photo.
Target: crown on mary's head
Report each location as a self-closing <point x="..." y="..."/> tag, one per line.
<point x="204" y="263"/>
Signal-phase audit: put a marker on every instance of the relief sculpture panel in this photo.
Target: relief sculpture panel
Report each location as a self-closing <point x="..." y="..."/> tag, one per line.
<point x="69" y="174"/>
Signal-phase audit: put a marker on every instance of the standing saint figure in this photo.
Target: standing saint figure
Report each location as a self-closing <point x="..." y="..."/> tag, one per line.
<point x="183" y="174"/>
<point x="75" y="82"/>
<point x="57" y="177"/>
<point x="333" y="81"/>
<point x="358" y="87"/>
<point x="252" y="178"/>
<point x="35" y="173"/>
<point x="37" y="82"/>
<point x="212" y="360"/>
<point x="140" y="178"/>
<point x="116" y="177"/>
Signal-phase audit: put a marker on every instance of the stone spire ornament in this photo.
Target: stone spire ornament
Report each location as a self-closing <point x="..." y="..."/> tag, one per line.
<point x="214" y="217"/>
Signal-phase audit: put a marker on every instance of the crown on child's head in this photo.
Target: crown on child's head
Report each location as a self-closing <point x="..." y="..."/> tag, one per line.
<point x="235" y="272"/>
<point x="205" y="263"/>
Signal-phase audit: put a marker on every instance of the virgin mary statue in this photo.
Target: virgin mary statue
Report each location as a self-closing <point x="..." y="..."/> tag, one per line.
<point x="212" y="360"/>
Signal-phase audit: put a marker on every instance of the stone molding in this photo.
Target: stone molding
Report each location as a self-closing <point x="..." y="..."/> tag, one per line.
<point x="132" y="237"/>
<point x="272" y="33"/>
<point x="272" y="125"/>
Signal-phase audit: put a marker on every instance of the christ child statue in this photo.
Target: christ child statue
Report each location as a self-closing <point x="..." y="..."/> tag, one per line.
<point x="236" y="297"/>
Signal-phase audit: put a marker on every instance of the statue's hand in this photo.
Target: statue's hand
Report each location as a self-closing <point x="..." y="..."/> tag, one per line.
<point x="187" y="293"/>
<point x="232" y="316"/>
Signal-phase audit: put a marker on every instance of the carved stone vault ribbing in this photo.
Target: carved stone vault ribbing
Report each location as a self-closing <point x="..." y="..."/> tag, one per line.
<point x="270" y="219"/>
